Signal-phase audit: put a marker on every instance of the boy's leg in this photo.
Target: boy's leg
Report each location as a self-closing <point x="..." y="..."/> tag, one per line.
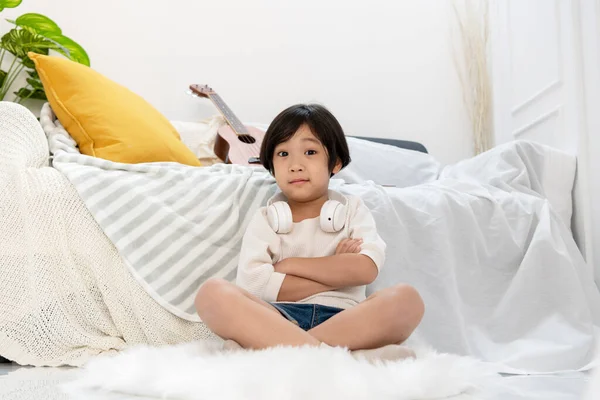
<point x="233" y="313"/>
<point x="388" y="316"/>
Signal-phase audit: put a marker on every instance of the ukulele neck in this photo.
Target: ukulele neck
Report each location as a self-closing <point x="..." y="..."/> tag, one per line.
<point x="229" y="116"/>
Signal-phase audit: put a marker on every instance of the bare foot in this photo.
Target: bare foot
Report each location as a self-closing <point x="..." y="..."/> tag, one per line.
<point x="231" y="345"/>
<point x="391" y="352"/>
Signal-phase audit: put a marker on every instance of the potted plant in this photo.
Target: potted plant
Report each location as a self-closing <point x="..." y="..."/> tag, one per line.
<point x="36" y="33"/>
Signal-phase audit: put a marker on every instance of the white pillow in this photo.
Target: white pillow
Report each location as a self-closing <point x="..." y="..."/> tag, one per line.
<point x="200" y="137"/>
<point x="388" y="165"/>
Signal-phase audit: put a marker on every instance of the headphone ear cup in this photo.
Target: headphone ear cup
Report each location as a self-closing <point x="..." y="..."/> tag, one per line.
<point x="333" y="216"/>
<point x="279" y="216"/>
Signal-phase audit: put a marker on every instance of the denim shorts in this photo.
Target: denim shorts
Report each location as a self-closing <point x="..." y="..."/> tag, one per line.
<point x="306" y="316"/>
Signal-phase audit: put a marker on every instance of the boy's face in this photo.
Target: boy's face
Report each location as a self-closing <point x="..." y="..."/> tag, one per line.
<point x="301" y="166"/>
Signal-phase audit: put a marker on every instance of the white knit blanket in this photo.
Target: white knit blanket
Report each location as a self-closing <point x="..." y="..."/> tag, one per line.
<point x="65" y="293"/>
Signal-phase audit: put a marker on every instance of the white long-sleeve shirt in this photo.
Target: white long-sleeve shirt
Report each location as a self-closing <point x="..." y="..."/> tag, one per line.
<point x="262" y="247"/>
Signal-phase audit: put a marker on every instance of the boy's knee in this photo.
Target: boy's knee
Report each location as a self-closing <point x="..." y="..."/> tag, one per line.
<point x="406" y="300"/>
<point x="416" y="301"/>
<point x="212" y="293"/>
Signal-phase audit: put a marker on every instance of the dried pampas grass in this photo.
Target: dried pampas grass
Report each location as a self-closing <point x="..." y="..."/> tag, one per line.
<point x="471" y="61"/>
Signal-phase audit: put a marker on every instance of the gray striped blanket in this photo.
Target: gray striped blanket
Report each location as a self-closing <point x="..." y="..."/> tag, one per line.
<point x="174" y="225"/>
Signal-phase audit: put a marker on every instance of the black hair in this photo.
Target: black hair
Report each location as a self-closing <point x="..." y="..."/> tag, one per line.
<point x="322" y="124"/>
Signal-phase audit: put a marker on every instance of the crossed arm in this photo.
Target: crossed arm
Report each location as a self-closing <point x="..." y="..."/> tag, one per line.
<point x="355" y="263"/>
<point x="308" y="276"/>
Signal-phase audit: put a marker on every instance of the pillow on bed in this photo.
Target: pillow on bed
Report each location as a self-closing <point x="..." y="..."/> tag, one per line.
<point x="200" y="138"/>
<point x="106" y="119"/>
<point x="388" y="165"/>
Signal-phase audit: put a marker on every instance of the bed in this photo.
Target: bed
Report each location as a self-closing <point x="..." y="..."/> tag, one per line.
<point x="486" y="241"/>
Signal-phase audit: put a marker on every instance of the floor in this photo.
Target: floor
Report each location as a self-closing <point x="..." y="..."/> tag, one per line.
<point x="27" y="383"/>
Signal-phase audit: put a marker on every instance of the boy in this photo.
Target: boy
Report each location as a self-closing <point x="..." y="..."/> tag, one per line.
<point x="307" y="257"/>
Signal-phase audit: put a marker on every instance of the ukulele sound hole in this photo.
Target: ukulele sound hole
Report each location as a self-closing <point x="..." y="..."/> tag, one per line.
<point x="246" y="139"/>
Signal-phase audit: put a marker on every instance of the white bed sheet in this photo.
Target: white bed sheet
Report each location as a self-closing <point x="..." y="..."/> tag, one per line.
<point x="500" y="273"/>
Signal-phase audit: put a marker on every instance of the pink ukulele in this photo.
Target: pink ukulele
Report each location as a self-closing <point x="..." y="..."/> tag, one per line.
<point x="236" y="143"/>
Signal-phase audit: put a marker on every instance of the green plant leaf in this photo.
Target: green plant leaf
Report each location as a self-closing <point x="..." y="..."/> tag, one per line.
<point x="25" y="93"/>
<point x="21" y="41"/>
<point x="69" y="48"/>
<point x="39" y="23"/>
<point x="28" y="62"/>
<point x="3" y="75"/>
<point x="33" y="74"/>
<point x="9" y="4"/>
<point x="35" y="83"/>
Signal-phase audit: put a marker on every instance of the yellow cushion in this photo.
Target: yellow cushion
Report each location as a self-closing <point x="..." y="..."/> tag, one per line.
<point x="106" y="119"/>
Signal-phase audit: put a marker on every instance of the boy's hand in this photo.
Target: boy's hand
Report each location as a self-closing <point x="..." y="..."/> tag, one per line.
<point x="348" y="246"/>
<point x="281" y="266"/>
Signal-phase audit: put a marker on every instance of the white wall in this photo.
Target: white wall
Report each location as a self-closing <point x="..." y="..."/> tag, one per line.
<point x="383" y="67"/>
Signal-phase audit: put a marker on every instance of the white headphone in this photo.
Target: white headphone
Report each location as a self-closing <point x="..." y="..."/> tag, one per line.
<point x="332" y="218"/>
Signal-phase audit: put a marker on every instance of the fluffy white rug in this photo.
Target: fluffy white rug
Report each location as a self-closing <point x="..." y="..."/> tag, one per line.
<point x="200" y="370"/>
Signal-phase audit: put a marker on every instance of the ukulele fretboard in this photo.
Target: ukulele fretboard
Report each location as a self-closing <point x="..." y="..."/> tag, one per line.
<point x="233" y="121"/>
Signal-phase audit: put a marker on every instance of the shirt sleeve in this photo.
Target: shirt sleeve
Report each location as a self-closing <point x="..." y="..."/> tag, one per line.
<point x="260" y="247"/>
<point x="362" y="226"/>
